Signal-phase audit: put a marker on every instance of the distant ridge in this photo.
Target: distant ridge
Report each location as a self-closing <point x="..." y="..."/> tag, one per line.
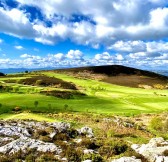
<point x="119" y="75"/>
<point x="115" y="70"/>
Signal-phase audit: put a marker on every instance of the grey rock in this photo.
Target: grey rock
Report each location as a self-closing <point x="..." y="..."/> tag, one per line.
<point x="127" y="159"/>
<point x="24" y="142"/>
<point x="13" y="131"/>
<point x="153" y="151"/>
<point x="89" y="151"/>
<point x="86" y="130"/>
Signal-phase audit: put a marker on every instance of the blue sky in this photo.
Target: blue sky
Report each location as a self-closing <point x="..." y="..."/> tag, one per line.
<point x="63" y="33"/>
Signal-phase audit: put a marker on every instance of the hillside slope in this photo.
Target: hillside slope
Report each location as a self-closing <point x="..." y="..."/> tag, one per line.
<point x="118" y="74"/>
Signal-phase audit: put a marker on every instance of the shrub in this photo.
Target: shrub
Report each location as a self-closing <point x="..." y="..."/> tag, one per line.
<point x="113" y="147"/>
<point x="156" y="124"/>
<point x="73" y="154"/>
<point x="72" y="133"/>
<point x="158" y="86"/>
<point x="61" y="136"/>
<point x="93" y="157"/>
<point x="30" y="158"/>
<point x="89" y="144"/>
<point x="47" y="157"/>
<point x="36" y="103"/>
<point x="165" y="153"/>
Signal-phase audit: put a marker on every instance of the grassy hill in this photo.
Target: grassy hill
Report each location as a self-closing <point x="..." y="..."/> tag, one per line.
<point x="84" y="90"/>
<point x="119" y="75"/>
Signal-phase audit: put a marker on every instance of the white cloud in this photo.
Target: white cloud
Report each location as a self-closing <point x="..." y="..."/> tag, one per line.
<point x="119" y="57"/>
<point x="75" y="55"/>
<point x="103" y="56"/>
<point x="19" y="47"/>
<point x="75" y="58"/>
<point x="129" y="46"/>
<point x="104" y="22"/>
<point x="15" y="22"/>
<point x="25" y="55"/>
<point x="1" y="41"/>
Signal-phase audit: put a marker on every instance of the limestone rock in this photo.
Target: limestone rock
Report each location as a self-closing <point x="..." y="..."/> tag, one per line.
<point x="86" y="130"/>
<point x="24" y="142"/>
<point x="153" y="151"/>
<point x="127" y="159"/>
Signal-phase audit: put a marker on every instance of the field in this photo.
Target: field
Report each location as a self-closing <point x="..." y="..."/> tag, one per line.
<point x="91" y="96"/>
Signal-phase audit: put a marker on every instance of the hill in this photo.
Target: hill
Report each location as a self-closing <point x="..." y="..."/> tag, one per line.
<point x="119" y="75"/>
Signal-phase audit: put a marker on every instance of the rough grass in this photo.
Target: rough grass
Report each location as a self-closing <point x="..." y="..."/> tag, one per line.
<point x="25" y="115"/>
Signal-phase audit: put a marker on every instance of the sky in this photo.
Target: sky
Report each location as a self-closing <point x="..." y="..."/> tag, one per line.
<point x="73" y="33"/>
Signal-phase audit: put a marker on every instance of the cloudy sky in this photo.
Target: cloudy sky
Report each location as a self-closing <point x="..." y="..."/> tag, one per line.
<point x="66" y="33"/>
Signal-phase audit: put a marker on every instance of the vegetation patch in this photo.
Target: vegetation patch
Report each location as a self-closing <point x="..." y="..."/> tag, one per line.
<point x="48" y="81"/>
<point x="63" y="94"/>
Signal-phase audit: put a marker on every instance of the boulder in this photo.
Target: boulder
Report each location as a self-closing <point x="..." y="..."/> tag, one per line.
<point x="152" y="151"/>
<point x="86" y="130"/>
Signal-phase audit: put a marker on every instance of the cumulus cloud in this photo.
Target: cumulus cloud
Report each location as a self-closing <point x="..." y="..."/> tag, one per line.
<point x="19" y="47"/>
<point x="129" y="46"/>
<point x="25" y="55"/>
<point x="75" y="55"/>
<point x="75" y="58"/>
<point x="103" y="56"/>
<point x="124" y="28"/>
<point x="15" y="22"/>
<point x="101" y="23"/>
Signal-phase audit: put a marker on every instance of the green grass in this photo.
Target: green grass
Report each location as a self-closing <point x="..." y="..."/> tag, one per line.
<point x="27" y="116"/>
<point x="101" y="98"/>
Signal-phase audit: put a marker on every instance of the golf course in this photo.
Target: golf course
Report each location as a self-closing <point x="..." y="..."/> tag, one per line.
<point x="89" y="96"/>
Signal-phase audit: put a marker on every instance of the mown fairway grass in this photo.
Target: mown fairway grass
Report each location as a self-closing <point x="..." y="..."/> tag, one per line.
<point x="101" y="98"/>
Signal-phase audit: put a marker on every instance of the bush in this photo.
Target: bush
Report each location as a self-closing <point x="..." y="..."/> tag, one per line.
<point x="165" y="153"/>
<point x="89" y="144"/>
<point x="36" y="103"/>
<point x="158" y="86"/>
<point x="47" y="157"/>
<point x="93" y="157"/>
<point x="113" y="147"/>
<point x="61" y="136"/>
<point x="156" y="124"/>
<point x="73" y="154"/>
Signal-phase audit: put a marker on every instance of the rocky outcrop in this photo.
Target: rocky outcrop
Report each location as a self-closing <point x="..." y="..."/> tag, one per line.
<point x="154" y="150"/>
<point x="40" y="137"/>
<point x="23" y="143"/>
<point x="127" y="159"/>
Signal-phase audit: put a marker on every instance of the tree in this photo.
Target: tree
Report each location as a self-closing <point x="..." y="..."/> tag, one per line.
<point x="2" y="74"/>
<point x="36" y="103"/>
